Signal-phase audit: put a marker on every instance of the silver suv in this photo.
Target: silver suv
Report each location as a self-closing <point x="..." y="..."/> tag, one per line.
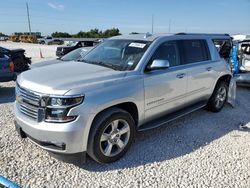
<point x="125" y="84"/>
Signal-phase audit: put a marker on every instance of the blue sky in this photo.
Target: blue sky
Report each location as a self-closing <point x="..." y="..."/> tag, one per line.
<point x="47" y="16"/>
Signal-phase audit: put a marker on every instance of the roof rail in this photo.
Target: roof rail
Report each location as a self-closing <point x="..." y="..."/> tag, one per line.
<point x="208" y="34"/>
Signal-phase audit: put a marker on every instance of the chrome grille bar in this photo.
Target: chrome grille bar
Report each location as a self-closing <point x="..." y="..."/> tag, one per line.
<point x="29" y="103"/>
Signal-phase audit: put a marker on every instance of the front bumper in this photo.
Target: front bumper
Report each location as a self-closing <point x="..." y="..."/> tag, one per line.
<point x="6" y="77"/>
<point x="62" y="138"/>
<point x="75" y="158"/>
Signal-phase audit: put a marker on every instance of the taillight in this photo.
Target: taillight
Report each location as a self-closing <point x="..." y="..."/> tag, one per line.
<point x="11" y="66"/>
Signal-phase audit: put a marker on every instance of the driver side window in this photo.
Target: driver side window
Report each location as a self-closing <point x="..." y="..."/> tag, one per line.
<point x="167" y="51"/>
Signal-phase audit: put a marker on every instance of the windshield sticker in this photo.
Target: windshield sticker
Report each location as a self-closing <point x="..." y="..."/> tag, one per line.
<point x="137" y="45"/>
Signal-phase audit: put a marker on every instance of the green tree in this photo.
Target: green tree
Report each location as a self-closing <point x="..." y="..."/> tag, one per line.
<point x="111" y="32"/>
<point x="2" y="35"/>
<point x="61" y="35"/>
<point x="93" y="33"/>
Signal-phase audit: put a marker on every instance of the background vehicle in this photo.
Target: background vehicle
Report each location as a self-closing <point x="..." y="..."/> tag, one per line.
<point x="60" y="51"/>
<point x="244" y="56"/>
<point x="6" y="69"/>
<point x="71" y="56"/>
<point x="55" y="41"/>
<point x="3" y="38"/>
<point x="97" y="105"/>
<point x="28" y="38"/>
<point x="14" y="38"/>
<point x="17" y="56"/>
<point x="49" y="41"/>
<point x="241" y="62"/>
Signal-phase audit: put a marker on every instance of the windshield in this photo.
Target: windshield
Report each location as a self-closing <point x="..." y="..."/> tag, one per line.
<point x="117" y="54"/>
<point x="75" y="54"/>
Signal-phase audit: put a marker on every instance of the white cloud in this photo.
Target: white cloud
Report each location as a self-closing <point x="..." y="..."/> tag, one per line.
<point x="56" y="6"/>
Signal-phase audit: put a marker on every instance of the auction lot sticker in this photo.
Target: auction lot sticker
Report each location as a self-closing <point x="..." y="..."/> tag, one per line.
<point x="137" y="45"/>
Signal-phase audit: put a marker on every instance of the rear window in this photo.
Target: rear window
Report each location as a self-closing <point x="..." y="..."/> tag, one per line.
<point x="193" y="51"/>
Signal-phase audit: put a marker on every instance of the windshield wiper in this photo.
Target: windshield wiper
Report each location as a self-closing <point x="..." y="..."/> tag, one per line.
<point x="108" y="65"/>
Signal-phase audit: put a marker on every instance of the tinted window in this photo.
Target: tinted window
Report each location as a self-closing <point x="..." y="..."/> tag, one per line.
<point x="86" y="43"/>
<point x="224" y="47"/>
<point x="167" y="51"/>
<point x="193" y="51"/>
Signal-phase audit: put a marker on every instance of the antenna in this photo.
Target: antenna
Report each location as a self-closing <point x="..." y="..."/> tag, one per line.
<point x="152" y="29"/>
<point x="28" y="14"/>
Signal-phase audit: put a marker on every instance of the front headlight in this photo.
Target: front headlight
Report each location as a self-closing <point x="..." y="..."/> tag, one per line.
<point x="57" y="108"/>
<point x="64" y="102"/>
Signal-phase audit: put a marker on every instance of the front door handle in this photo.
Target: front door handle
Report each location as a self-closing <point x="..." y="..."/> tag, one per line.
<point x="182" y="75"/>
<point x="209" y="68"/>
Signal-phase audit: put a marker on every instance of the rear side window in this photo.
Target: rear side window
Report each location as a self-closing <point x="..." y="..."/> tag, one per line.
<point x="193" y="51"/>
<point x="224" y="47"/>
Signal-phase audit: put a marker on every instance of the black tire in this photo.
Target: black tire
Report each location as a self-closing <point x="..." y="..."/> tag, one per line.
<point x="213" y="104"/>
<point x="100" y="124"/>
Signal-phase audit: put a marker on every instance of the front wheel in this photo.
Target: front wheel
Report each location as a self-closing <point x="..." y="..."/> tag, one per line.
<point x="111" y="135"/>
<point x="218" y="98"/>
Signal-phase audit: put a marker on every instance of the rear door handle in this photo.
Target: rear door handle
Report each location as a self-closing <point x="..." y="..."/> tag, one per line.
<point x="182" y="75"/>
<point x="209" y="68"/>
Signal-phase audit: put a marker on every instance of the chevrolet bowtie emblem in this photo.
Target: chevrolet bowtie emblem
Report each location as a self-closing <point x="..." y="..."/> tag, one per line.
<point x="18" y="98"/>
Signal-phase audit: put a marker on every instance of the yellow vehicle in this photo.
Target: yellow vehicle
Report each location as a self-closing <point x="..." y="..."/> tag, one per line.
<point x="32" y="39"/>
<point x="14" y="38"/>
<point x="23" y="38"/>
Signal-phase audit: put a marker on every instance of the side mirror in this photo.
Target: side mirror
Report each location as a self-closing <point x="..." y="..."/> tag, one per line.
<point x="159" y="64"/>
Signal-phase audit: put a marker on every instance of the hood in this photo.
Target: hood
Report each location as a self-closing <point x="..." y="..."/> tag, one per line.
<point x="57" y="79"/>
<point x="45" y="63"/>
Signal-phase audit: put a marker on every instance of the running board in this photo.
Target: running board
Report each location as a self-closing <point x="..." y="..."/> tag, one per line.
<point x="172" y="116"/>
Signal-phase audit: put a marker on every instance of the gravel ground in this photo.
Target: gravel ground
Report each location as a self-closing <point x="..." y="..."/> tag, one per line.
<point x="202" y="149"/>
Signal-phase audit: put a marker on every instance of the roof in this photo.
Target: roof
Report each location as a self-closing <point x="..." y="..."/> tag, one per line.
<point x="149" y="37"/>
<point x="141" y="36"/>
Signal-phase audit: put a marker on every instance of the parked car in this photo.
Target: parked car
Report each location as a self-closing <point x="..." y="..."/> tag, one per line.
<point x="55" y="41"/>
<point x="244" y="55"/>
<point x="2" y="38"/>
<point x="63" y="50"/>
<point x="17" y="56"/>
<point x="125" y="84"/>
<point x="241" y="62"/>
<point x="49" y="41"/>
<point x="6" y="69"/>
<point x="75" y="55"/>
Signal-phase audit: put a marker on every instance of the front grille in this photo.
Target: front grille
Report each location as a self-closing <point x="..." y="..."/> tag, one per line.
<point x="29" y="96"/>
<point x="29" y="102"/>
<point x="28" y="111"/>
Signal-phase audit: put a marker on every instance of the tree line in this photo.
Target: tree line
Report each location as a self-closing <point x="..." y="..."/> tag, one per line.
<point x="93" y="33"/>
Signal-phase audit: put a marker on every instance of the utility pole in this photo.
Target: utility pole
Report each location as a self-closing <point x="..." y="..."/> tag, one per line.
<point x="28" y="14"/>
<point x="152" y="29"/>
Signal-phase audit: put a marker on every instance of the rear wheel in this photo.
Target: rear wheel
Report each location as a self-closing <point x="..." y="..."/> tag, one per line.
<point x="111" y="135"/>
<point x="218" y="98"/>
